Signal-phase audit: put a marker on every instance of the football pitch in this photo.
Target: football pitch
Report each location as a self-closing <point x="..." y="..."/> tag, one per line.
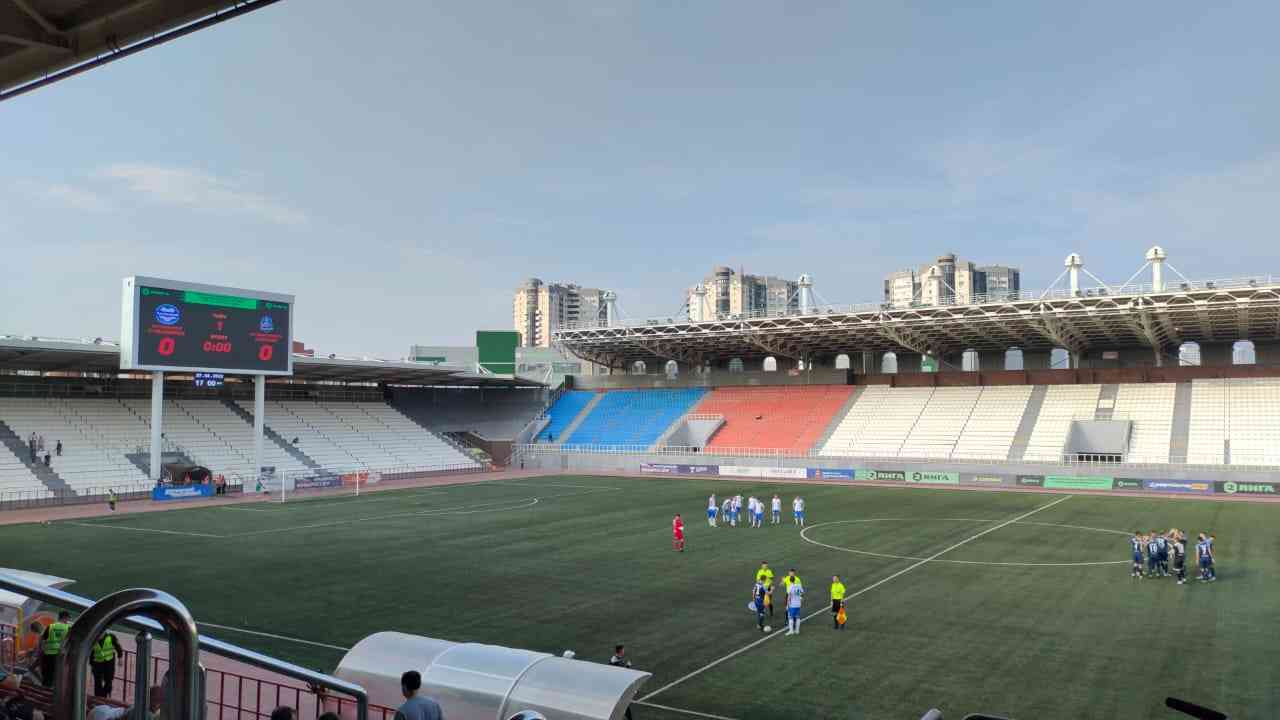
<point x="1018" y="604"/>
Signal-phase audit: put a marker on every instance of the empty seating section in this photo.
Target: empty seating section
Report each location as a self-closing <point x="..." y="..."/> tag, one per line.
<point x="993" y="423"/>
<point x="633" y="417"/>
<point x="940" y="423"/>
<point x="402" y="442"/>
<point x="96" y="435"/>
<point x="861" y="414"/>
<point x="16" y="479"/>
<point x="1253" y="421"/>
<point x="1062" y="404"/>
<point x="562" y="412"/>
<point x="884" y="435"/>
<point x="1150" y="408"/>
<point x="213" y="435"/>
<point x="782" y="418"/>
<point x="1207" y="430"/>
<point x="493" y="414"/>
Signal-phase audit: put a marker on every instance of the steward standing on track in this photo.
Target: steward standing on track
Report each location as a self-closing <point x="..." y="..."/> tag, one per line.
<point x="54" y="638"/>
<point x="106" y="653"/>
<point x="837" y="602"/>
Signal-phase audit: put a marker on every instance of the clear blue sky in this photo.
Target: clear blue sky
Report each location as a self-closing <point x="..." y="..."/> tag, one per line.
<point x="401" y="167"/>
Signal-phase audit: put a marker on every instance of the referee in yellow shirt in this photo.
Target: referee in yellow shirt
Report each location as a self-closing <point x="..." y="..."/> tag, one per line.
<point x="837" y="602"/>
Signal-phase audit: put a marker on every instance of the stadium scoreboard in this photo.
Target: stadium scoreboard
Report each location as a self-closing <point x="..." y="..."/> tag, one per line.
<point x="169" y="325"/>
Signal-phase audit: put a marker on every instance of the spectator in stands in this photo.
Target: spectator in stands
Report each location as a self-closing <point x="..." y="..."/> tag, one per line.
<point x="54" y="638"/>
<point x="102" y="663"/>
<point x="58" y="449"/>
<point x="39" y="443"/>
<point x="284" y="712"/>
<point x="331" y="716"/>
<point x="155" y="701"/>
<point x="619" y="659"/>
<point x="46" y="458"/>
<point x="415" y="707"/>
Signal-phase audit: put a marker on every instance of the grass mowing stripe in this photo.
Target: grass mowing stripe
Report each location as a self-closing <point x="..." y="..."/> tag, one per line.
<point x="866" y="589"/>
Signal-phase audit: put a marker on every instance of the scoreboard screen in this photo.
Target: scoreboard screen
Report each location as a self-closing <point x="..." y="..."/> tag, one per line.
<point x="183" y="326"/>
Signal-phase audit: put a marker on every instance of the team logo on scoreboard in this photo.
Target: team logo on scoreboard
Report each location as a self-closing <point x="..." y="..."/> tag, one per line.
<point x="168" y="314"/>
<point x="266" y="324"/>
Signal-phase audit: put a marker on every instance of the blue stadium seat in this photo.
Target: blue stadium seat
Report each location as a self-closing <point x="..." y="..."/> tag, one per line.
<point x="633" y="417"/>
<point x="562" y="412"/>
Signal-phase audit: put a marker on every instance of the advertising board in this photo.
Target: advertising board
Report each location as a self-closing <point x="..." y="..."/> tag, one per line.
<point x="882" y="475"/>
<point x="1078" y="482"/>
<point x="678" y="469"/>
<point x="831" y="473"/>
<point x="1179" y="486"/>
<point x="933" y="477"/>
<point x="1245" y="488"/>
<point x="788" y="473"/>
<point x="182" y="492"/>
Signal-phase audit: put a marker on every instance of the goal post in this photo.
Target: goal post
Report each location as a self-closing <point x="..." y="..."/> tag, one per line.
<point x="317" y="483"/>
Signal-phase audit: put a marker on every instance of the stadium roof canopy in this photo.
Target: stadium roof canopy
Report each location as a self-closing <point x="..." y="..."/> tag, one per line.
<point x="101" y="356"/>
<point x="43" y="41"/>
<point x="1100" y="318"/>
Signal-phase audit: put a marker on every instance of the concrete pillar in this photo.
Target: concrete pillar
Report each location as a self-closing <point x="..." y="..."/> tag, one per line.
<point x="951" y="362"/>
<point x="157" y="422"/>
<point x="989" y="360"/>
<point x="1035" y="359"/>
<point x="259" y="421"/>
<point x="1217" y="354"/>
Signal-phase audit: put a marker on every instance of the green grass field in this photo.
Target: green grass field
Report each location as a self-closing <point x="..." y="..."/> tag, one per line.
<point x="993" y="622"/>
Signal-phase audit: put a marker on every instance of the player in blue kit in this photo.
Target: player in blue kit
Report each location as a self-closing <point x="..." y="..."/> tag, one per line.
<point x="1153" y="555"/>
<point x="1204" y="552"/>
<point x="1136" y="542"/>
<point x="1162" y="558"/>
<point x="1213" y="558"/>
<point x="711" y="510"/>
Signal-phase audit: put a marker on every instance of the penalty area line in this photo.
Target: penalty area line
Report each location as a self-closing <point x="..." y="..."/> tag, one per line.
<point x="866" y="589"/>
<point x="668" y="708"/>
<point x="146" y="530"/>
<point x="273" y="636"/>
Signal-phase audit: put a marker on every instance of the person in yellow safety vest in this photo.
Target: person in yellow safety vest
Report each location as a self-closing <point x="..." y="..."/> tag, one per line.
<point x="51" y="646"/>
<point x="837" y="602"/>
<point x="106" y="653"/>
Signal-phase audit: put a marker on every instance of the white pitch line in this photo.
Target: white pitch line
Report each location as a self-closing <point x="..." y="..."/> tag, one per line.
<point x="866" y="589"/>
<point x="147" y="530"/>
<point x="272" y="636"/>
<point x="811" y="541"/>
<point x="694" y="713"/>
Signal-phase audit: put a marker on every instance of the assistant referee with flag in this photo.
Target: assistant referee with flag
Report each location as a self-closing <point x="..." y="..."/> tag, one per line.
<point x="837" y="603"/>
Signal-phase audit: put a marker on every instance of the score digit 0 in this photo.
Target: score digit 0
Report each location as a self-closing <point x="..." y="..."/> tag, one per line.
<point x="264" y="352"/>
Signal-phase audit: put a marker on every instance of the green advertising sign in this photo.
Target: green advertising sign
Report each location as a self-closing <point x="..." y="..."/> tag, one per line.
<point x="1072" y="482"/>
<point x="1128" y="484"/>
<point x="934" y="478"/>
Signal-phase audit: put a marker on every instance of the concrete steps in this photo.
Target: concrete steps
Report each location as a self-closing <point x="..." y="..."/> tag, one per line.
<point x="1022" y="438"/>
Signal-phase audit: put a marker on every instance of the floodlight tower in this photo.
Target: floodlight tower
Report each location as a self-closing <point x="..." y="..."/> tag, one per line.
<point x="806" y="294"/>
<point x="1074" y="264"/>
<point x="610" y="308"/>
<point x="699" y="302"/>
<point x="1156" y="256"/>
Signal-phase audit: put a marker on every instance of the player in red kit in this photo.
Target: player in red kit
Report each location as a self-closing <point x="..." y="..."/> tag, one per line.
<point x="677" y="534"/>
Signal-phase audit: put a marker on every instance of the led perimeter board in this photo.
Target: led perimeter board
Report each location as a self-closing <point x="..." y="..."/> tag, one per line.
<point x="179" y="326"/>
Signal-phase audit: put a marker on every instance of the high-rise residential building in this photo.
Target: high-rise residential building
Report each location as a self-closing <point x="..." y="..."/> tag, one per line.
<point x="726" y="293"/>
<point x="950" y="280"/>
<point x="539" y="309"/>
<point x="1003" y="282"/>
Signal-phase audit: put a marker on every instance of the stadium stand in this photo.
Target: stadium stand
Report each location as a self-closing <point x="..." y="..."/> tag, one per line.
<point x="1062" y="404"/>
<point x="633" y="417"/>
<point x="211" y="434"/>
<point x="563" y="412"/>
<point x="1207" y="432"/>
<point x="96" y="437"/>
<point x="773" y="417"/>
<point x="993" y="423"/>
<point x="940" y="424"/>
<point x="17" y="479"/>
<point x="1149" y="407"/>
<point x="343" y="436"/>
<point x="856" y="420"/>
<point x="892" y="423"/>
<point x="1253" y="421"/>
<point x="496" y="414"/>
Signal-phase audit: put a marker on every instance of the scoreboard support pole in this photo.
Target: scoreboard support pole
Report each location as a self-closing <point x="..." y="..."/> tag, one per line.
<point x="259" y="420"/>
<point x="157" y="416"/>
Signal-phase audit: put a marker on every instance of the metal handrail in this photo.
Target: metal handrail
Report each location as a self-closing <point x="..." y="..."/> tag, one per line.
<point x="184" y="659"/>
<point x="61" y="598"/>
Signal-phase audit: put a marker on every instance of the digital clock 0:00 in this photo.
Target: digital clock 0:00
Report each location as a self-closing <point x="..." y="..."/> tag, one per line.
<point x="219" y="347"/>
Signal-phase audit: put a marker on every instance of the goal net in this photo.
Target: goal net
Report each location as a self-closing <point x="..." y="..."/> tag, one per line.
<point x="283" y="488"/>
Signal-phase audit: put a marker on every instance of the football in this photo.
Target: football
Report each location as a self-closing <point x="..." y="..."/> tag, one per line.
<point x="768" y="628"/>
